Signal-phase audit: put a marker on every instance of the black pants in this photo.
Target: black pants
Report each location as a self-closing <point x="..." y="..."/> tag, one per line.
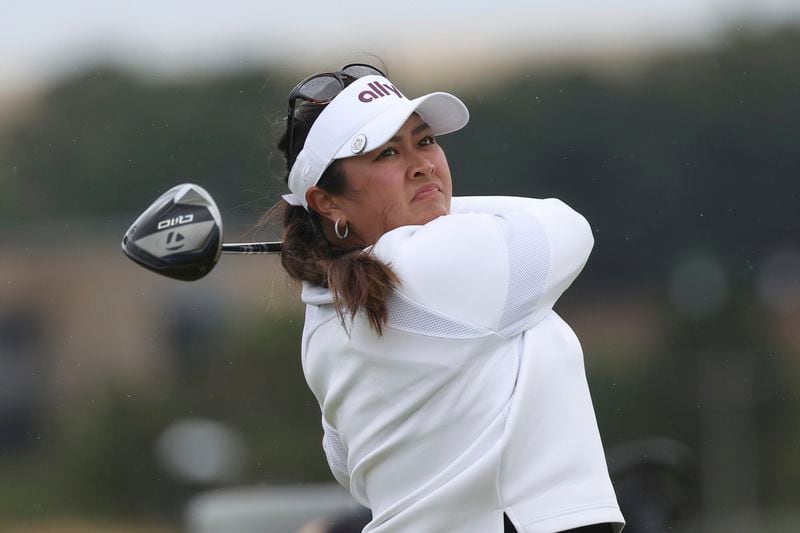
<point x="595" y="528"/>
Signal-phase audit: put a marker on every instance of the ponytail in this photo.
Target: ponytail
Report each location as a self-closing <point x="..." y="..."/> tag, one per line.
<point x="360" y="281"/>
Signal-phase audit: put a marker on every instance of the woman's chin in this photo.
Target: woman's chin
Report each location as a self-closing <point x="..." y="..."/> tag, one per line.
<point x="432" y="213"/>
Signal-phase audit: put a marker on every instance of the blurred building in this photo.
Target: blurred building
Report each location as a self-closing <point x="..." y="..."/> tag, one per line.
<point x="76" y="314"/>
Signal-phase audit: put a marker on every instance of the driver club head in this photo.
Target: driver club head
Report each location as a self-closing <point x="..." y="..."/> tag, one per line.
<point x="179" y="235"/>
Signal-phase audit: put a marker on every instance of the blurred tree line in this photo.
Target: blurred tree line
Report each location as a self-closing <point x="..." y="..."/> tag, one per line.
<point x="695" y="150"/>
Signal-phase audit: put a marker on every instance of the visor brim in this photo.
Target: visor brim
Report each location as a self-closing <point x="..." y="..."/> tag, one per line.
<point x="443" y="112"/>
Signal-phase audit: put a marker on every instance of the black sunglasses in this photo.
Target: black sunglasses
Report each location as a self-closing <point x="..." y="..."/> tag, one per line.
<point x="321" y="89"/>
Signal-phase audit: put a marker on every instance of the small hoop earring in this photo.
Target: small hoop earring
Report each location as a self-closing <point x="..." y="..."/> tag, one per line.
<point x="336" y="229"/>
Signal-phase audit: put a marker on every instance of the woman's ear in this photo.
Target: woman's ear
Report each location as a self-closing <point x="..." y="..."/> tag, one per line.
<point x="323" y="203"/>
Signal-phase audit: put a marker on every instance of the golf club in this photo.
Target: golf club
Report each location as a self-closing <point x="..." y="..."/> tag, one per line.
<point x="180" y="235"/>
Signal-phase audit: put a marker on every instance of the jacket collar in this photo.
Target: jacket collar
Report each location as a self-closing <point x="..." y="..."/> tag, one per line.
<point x="315" y="295"/>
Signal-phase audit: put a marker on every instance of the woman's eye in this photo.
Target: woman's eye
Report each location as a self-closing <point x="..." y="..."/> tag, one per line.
<point x="387" y="152"/>
<point x="427" y="140"/>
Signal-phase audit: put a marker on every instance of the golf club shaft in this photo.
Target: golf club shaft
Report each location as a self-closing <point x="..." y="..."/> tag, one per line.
<point x="251" y="247"/>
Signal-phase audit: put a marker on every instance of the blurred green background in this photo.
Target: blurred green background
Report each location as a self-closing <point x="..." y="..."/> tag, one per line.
<point x="684" y="159"/>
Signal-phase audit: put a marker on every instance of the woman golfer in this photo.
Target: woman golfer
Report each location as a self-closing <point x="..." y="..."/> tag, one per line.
<point x="453" y="397"/>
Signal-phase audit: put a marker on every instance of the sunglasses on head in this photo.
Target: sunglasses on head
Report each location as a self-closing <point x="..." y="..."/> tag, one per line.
<point x="321" y="89"/>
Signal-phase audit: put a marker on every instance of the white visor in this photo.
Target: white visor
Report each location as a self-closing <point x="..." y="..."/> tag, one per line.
<point x="365" y="115"/>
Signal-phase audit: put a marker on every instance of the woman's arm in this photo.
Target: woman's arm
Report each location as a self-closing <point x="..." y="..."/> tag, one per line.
<point x="498" y="263"/>
<point x="494" y="205"/>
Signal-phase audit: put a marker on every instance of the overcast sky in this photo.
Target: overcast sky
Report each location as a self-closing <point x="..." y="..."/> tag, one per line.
<point x="42" y="40"/>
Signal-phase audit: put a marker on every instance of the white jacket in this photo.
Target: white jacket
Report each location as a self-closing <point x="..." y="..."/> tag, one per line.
<point x="474" y="402"/>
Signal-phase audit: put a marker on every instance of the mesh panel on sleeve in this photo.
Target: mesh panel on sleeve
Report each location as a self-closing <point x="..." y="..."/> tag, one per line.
<point x="311" y="316"/>
<point x="335" y="451"/>
<point x="324" y="313"/>
<point x="407" y="315"/>
<point x="316" y="315"/>
<point x="529" y="266"/>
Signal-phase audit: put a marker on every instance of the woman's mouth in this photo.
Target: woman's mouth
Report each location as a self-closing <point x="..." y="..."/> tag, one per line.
<point x="426" y="191"/>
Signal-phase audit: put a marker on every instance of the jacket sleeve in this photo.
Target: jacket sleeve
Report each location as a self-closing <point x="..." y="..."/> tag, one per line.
<point x="498" y="263"/>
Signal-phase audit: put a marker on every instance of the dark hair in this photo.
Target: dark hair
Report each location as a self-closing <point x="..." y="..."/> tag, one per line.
<point x="358" y="280"/>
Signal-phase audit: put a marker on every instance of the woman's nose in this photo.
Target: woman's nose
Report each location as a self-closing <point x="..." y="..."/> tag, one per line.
<point x="422" y="167"/>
